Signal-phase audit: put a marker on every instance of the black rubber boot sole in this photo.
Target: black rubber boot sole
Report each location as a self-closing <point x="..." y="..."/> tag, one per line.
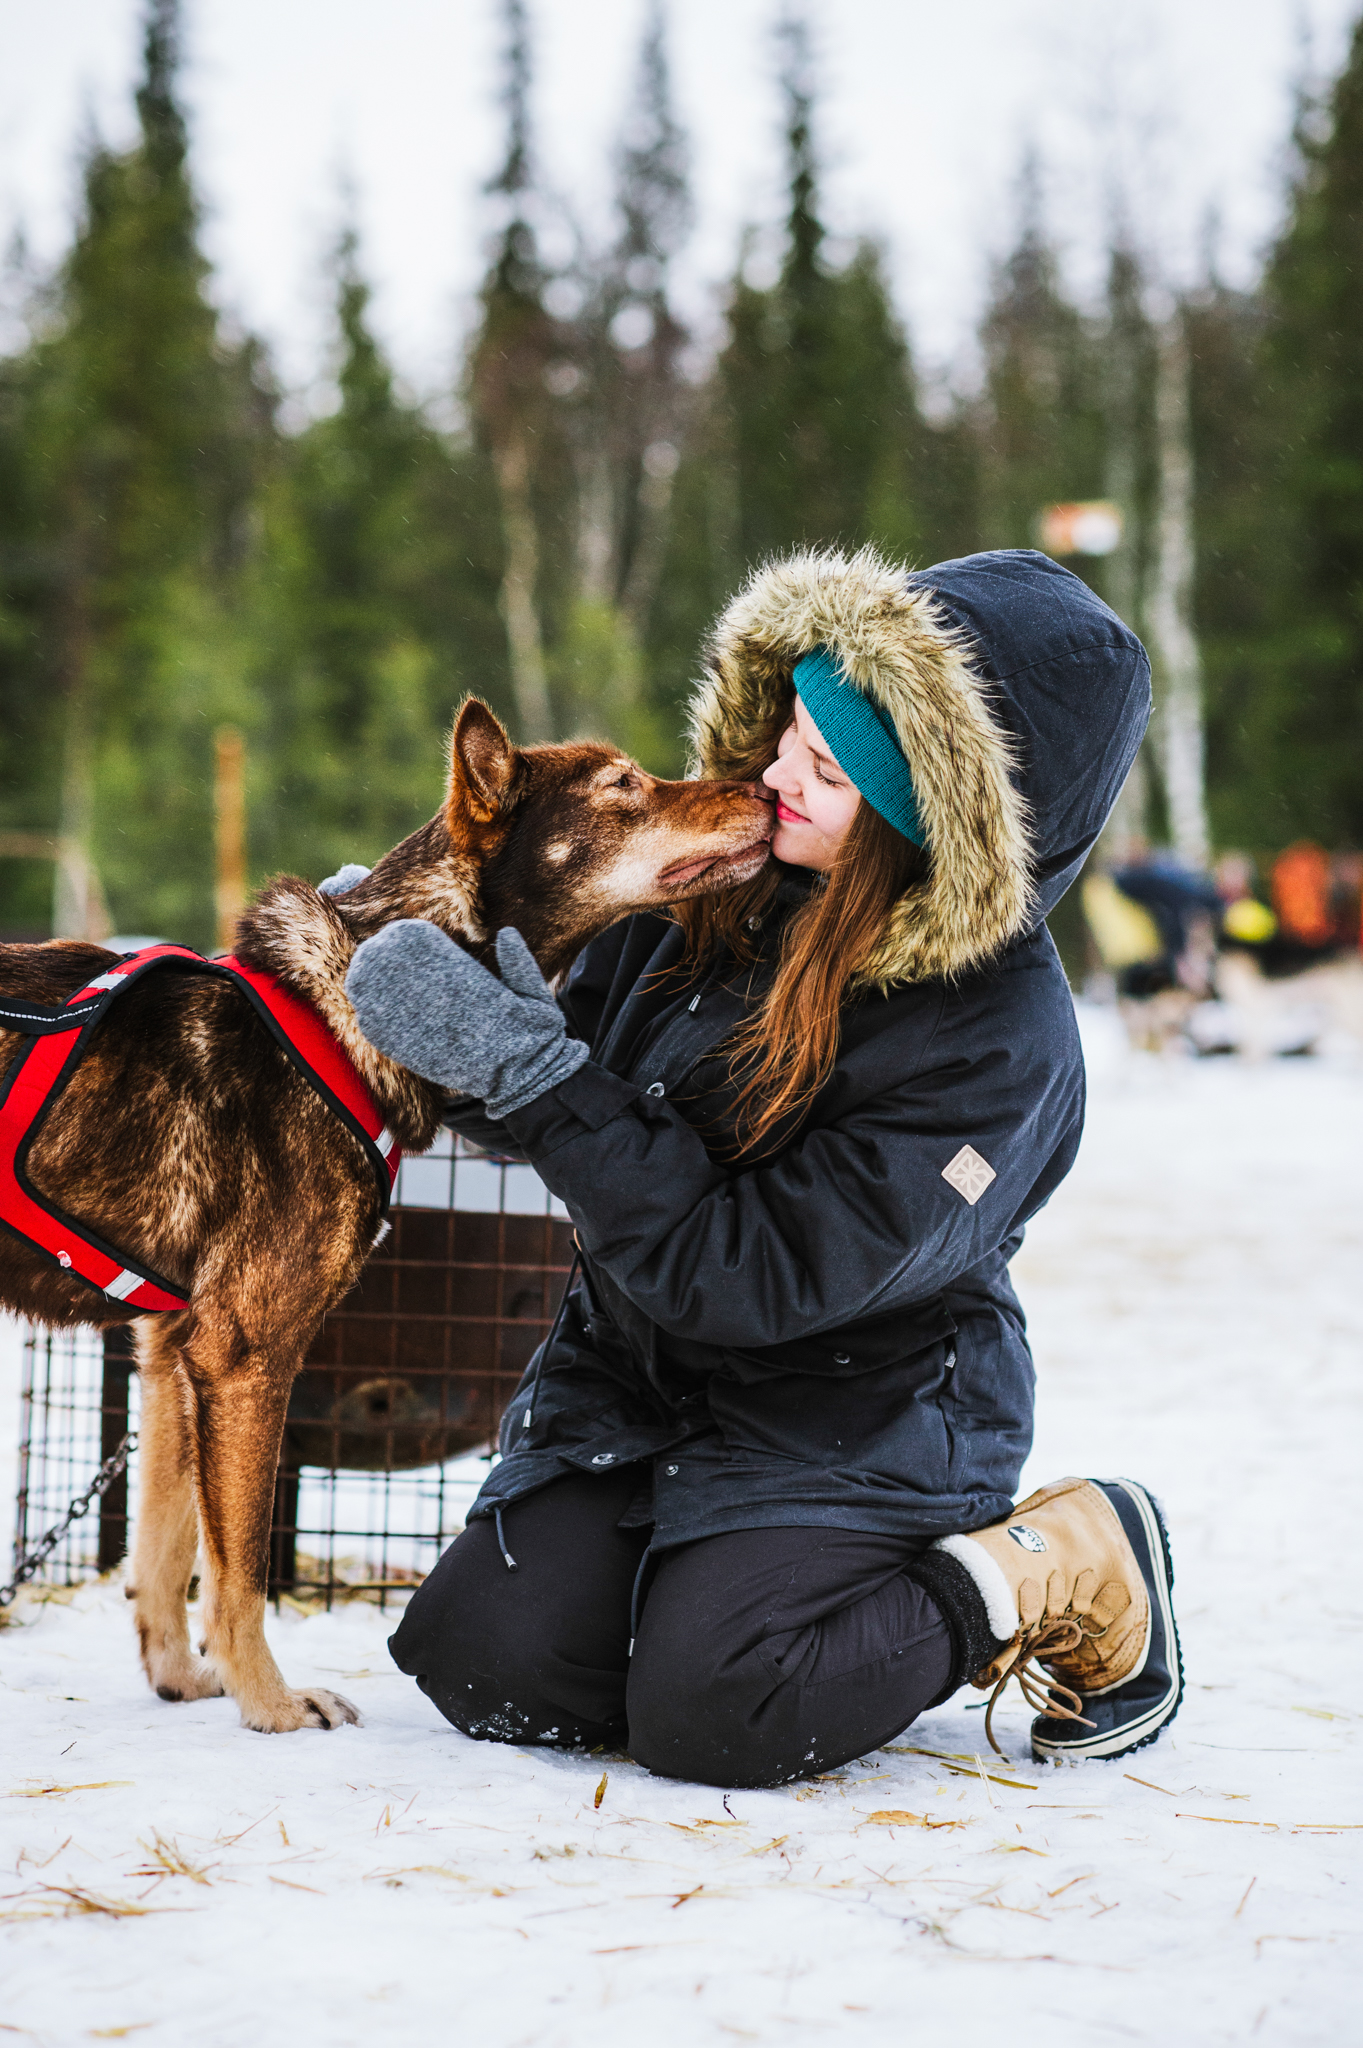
<point x="1136" y="1712"/>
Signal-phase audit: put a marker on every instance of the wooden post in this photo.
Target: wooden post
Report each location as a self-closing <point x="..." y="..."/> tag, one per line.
<point x="119" y="1365"/>
<point x="229" y="814"/>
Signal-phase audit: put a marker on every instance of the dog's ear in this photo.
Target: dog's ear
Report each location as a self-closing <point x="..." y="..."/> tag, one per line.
<point x="482" y="767"/>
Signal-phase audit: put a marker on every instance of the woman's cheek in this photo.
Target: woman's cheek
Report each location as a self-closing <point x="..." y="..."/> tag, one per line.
<point x="826" y="812"/>
<point x="848" y="804"/>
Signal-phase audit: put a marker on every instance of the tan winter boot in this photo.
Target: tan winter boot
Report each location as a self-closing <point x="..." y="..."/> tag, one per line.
<point x="1062" y="1586"/>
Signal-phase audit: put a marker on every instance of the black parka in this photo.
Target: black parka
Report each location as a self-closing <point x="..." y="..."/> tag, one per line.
<point x="829" y="1334"/>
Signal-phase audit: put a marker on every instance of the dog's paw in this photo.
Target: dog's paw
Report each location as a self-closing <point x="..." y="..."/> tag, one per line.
<point x="183" y="1677"/>
<point x="328" y="1709"/>
<point x="315" y="1708"/>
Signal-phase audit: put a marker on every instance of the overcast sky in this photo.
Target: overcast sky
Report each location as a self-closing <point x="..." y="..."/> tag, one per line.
<point x="926" y="112"/>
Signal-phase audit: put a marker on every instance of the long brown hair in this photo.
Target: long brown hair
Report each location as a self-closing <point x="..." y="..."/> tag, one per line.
<point x="784" y="1052"/>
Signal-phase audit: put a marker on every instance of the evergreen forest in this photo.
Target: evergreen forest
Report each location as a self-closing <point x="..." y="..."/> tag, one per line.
<point x="177" y="563"/>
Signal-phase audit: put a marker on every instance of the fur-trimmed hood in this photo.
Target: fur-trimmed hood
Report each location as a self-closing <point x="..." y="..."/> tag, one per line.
<point x="1019" y="699"/>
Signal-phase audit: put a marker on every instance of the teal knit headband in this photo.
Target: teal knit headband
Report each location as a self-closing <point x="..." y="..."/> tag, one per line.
<point x="862" y="739"/>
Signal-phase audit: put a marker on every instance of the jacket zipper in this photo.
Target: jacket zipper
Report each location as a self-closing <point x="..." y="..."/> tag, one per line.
<point x="554" y="1328"/>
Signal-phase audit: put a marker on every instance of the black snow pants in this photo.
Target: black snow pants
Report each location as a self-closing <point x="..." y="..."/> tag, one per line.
<point x="761" y="1655"/>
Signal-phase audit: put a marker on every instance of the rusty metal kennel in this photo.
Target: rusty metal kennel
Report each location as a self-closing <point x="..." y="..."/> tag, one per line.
<point x="391" y="1419"/>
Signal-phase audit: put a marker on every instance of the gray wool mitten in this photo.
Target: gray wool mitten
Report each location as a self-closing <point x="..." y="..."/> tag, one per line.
<point x="432" y="1007"/>
<point x="348" y="877"/>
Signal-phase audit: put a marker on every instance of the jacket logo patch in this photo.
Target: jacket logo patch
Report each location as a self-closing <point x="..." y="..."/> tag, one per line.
<point x="1030" y="1539"/>
<point x="969" y="1174"/>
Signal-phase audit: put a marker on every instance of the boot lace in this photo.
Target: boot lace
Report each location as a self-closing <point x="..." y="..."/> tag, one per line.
<point x="1052" y="1636"/>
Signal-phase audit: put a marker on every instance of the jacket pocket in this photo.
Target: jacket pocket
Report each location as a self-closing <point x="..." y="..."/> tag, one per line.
<point x="885" y="1425"/>
<point x="875" y="1344"/>
<point x="988" y="1404"/>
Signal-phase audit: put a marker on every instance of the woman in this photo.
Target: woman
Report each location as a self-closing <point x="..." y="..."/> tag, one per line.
<point x="755" y="1508"/>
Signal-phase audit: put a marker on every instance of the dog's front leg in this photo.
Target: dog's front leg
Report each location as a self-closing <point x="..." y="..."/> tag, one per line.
<point x="238" y="1401"/>
<point x="167" y="1530"/>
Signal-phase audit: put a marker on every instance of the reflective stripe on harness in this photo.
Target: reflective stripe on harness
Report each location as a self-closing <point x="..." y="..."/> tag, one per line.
<point x="57" y="1042"/>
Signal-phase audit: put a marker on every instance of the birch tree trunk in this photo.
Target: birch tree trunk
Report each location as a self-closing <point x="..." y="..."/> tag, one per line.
<point x="525" y="644"/>
<point x="78" y="906"/>
<point x="595" y="540"/>
<point x="1178" y="668"/>
<point x="600" y="651"/>
<point x="1130" y="819"/>
<point x="660" y="462"/>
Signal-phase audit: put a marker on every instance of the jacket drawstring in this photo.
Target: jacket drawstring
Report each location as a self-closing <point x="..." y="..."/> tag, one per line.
<point x="507" y="1559"/>
<point x="636" y="1598"/>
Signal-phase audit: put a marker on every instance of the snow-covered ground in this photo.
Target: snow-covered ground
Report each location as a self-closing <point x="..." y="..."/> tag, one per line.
<point x="1196" y="1309"/>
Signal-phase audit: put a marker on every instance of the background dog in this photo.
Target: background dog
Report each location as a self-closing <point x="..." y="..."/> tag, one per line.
<point x="186" y="1138"/>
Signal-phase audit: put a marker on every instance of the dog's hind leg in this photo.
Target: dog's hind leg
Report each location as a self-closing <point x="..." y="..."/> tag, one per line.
<point x="167" y="1526"/>
<point x="237" y="1401"/>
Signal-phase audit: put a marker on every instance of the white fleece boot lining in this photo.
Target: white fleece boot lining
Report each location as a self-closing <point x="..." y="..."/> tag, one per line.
<point x="1000" y="1605"/>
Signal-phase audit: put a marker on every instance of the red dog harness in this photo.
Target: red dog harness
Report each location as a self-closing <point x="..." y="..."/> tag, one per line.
<point x="58" y="1040"/>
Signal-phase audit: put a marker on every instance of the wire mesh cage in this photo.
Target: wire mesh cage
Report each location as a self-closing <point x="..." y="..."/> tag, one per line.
<point x="78" y="1399"/>
<point x="390" y="1421"/>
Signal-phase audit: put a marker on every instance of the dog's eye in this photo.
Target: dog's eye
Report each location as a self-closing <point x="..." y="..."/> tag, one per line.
<point x="624" y="782"/>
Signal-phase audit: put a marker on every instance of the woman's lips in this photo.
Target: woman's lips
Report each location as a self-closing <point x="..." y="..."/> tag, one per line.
<point x="787" y="815"/>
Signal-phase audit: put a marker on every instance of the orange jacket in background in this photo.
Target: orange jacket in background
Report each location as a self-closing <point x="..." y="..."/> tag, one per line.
<point x="1301" y="894"/>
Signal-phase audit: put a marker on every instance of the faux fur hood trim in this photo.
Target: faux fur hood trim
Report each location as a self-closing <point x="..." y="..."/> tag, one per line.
<point x="299" y="935"/>
<point x="898" y="647"/>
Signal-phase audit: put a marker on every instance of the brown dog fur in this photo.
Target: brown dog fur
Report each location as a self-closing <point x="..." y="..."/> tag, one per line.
<point x="188" y="1140"/>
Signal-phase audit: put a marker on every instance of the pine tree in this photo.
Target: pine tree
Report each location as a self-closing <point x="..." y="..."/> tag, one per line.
<point x="515" y="361"/>
<point x="145" y="433"/>
<point x="631" y="415"/>
<point x="374" y="609"/>
<point x="816" y="378"/>
<point x="1126" y="383"/>
<point x="1126" y="380"/>
<point x="808" y="431"/>
<point x="1303" y="727"/>
<point x="29" y="732"/>
<point x="643" y="390"/>
<point x="1233" y="459"/>
<point x="1041" y="423"/>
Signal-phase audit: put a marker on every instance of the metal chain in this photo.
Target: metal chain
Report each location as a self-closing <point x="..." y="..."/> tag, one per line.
<point x="28" y="1566"/>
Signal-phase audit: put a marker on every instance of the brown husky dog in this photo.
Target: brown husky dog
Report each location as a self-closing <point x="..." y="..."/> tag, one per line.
<point x="187" y="1139"/>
